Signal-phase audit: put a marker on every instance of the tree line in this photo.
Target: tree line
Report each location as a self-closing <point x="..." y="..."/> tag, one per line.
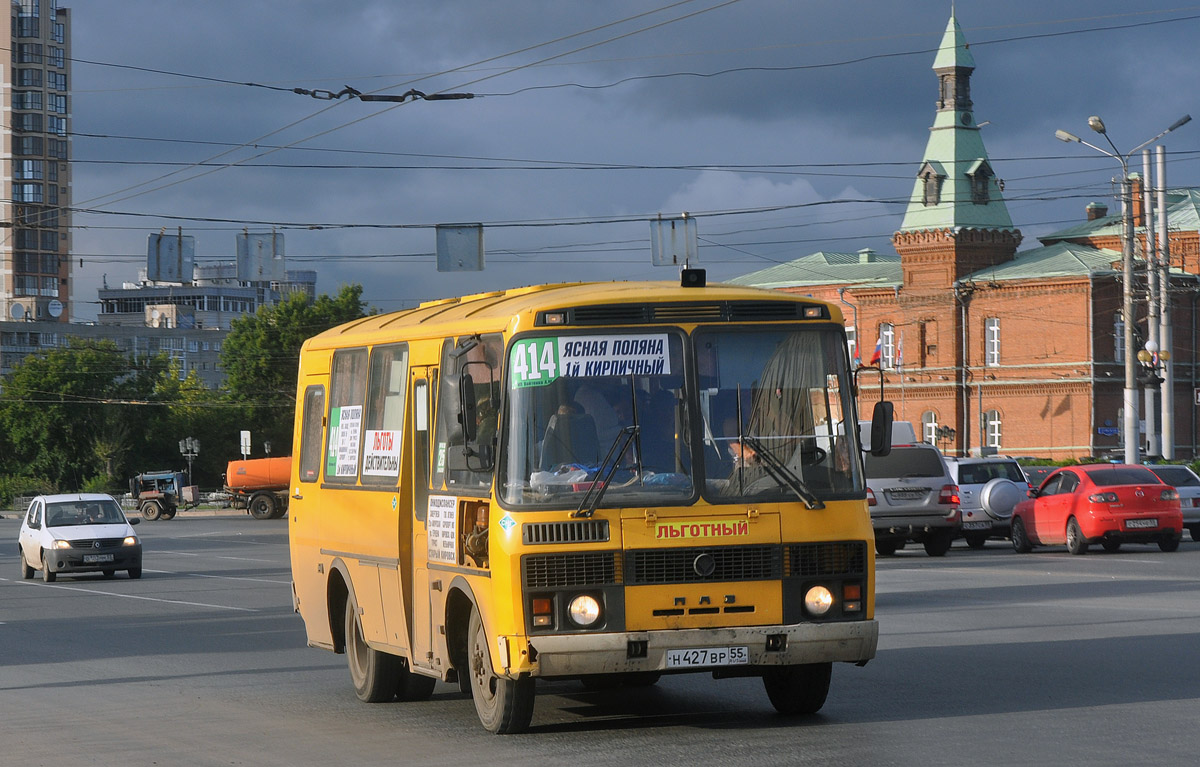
<point x="87" y="417"/>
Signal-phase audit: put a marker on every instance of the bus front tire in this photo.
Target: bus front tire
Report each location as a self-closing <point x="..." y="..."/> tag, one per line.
<point x="374" y="674"/>
<point x="797" y="690"/>
<point x="503" y="705"/>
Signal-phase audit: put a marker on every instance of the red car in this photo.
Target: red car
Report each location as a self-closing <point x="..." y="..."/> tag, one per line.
<point x="1104" y="503"/>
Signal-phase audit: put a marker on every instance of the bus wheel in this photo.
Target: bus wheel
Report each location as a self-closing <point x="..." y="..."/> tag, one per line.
<point x="373" y="673"/>
<point x="151" y="510"/>
<point x="262" y="506"/>
<point x="504" y="705"/>
<point x="886" y="547"/>
<point x="410" y="686"/>
<point x="798" y="689"/>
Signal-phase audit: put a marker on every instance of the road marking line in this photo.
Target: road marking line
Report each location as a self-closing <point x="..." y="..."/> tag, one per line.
<point x="221" y="577"/>
<point x="190" y="554"/>
<point x="134" y="596"/>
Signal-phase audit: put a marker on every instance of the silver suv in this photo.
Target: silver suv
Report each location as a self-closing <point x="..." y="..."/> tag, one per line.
<point x="1187" y="483"/>
<point x="989" y="489"/>
<point x="912" y="497"/>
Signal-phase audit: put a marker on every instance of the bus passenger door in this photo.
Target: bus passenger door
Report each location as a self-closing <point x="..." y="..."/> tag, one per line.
<point x="424" y="381"/>
<point x="304" y="518"/>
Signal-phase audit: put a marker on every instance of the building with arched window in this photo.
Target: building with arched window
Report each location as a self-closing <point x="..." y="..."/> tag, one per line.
<point x="1017" y="351"/>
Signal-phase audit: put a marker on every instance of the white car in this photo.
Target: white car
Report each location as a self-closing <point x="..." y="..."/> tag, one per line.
<point x="1187" y="483"/>
<point x="78" y="533"/>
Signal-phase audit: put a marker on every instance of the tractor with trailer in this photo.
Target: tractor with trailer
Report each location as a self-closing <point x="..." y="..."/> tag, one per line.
<point x="259" y="485"/>
<point x="160" y="494"/>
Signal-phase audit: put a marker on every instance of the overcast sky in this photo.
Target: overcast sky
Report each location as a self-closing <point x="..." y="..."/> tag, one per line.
<point x="585" y="112"/>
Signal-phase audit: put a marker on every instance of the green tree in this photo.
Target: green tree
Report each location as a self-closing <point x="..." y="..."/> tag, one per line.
<point x="75" y="413"/>
<point x="261" y="356"/>
<point x="193" y="410"/>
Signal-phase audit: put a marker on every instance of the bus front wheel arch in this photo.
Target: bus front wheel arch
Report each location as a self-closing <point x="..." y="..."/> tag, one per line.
<point x="504" y="705"/>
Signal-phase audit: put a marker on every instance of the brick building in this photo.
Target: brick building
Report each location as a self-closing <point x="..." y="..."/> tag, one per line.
<point x="1017" y="351"/>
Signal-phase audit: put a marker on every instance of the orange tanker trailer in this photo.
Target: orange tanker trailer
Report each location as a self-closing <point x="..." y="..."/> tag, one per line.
<point x="259" y="485"/>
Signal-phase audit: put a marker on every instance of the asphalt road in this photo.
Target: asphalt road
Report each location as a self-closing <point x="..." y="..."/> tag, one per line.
<point x="986" y="657"/>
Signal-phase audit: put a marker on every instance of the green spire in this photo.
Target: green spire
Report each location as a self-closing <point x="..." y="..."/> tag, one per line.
<point x="956" y="185"/>
<point x="953" y="51"/>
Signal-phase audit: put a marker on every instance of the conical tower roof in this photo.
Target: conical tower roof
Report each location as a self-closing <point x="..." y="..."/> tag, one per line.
<point x="956" y="187"/>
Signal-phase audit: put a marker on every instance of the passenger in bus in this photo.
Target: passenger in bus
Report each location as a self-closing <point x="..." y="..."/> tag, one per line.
<point x="570" y="438"/>
<point x="596" y="399"/>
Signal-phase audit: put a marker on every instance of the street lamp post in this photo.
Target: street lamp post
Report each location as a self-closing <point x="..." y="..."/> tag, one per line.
<point x="1130" y="421"/>
<point x="189" y="448"/>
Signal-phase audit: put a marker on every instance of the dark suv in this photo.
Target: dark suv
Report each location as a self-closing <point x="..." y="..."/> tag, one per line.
<point x="912" y="497"/>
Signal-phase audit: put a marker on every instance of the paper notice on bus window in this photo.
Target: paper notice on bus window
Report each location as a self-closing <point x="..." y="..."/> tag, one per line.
<point x="344" y="425"/>
<point x="540" y="361"/>
<point x="441" y="528"/>
<point x="381" y="454"/>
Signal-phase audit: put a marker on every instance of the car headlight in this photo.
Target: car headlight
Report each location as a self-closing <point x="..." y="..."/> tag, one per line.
<point x="818" y="600"/>
<point x="62" y="544"/>
<point x="130" y="540"/>
<point x="584" y="610"/>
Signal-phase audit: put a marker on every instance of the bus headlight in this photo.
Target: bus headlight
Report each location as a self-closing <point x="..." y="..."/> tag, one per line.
<point x="584" y="610"/>
<point x="818" y="600"/>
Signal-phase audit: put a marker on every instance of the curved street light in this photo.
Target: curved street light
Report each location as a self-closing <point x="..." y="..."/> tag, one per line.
<point x="1130" y="421"/>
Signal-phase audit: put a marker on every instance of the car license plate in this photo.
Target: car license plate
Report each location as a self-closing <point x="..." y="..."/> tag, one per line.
<point x="1141" y="523"/>
<point x="93" y="558"/>
<point x="708" y="656"/>
<point x="907" y="495"/>
<point x="976" y="525"/>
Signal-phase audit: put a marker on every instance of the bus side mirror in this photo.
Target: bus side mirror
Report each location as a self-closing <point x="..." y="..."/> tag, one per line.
<point x="881" y="429"/>
<point x="467" y="412"/>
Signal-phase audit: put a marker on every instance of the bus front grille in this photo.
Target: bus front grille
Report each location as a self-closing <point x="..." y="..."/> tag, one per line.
<point x="588" y="568"/>
<point x="820" y="560"/>
<point x="703" y="564"/>
<point x="575" y="531"/>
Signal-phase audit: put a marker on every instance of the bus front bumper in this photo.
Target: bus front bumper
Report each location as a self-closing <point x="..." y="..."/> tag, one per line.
<point x="576" y="654"/>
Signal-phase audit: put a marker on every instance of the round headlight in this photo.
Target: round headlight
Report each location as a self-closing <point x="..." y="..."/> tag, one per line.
<point x="584" y="610"/>
<point x="818" y="600"/>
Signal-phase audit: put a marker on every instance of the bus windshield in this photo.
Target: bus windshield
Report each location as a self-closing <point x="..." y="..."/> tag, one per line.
<point x="770" y="425"/>
<point x="580" y="403"/>
<point x="773" y="408"/>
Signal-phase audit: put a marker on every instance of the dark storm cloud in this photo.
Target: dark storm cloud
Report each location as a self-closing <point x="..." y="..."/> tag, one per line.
<point x="876" y="110"/>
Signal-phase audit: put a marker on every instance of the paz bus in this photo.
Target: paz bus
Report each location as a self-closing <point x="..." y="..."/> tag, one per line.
<point x="602" y="482"/>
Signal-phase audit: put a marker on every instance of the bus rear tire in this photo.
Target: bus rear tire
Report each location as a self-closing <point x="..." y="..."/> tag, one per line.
<point x="410" y="686"/>
<point x="503" y="705"/>
<point x="797" y="690"/>
<point x="374" y="674"/>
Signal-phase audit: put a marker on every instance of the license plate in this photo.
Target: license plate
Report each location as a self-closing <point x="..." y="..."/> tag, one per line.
<point x="708" y="656"/>
<point x="90" y="558"/>
<point x="1141" y="523"/>
<point x="976" y="525"/>
<point x="907" y="495"/>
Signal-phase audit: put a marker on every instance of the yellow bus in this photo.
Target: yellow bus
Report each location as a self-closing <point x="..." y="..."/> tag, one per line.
<point x="605" y="482"/>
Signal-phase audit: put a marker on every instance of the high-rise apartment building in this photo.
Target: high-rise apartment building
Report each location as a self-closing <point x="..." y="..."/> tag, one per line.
<point x="35" y="170"/>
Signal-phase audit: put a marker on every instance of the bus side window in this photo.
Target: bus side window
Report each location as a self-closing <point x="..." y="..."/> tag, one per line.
<point x="347" y="393"/>
<point x="383" y="421"/>
<point x="310" y="433"/>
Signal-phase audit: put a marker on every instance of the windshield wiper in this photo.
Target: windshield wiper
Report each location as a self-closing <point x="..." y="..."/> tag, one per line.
<point x="587" y="506"/>
<point x="782" y="474"/>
